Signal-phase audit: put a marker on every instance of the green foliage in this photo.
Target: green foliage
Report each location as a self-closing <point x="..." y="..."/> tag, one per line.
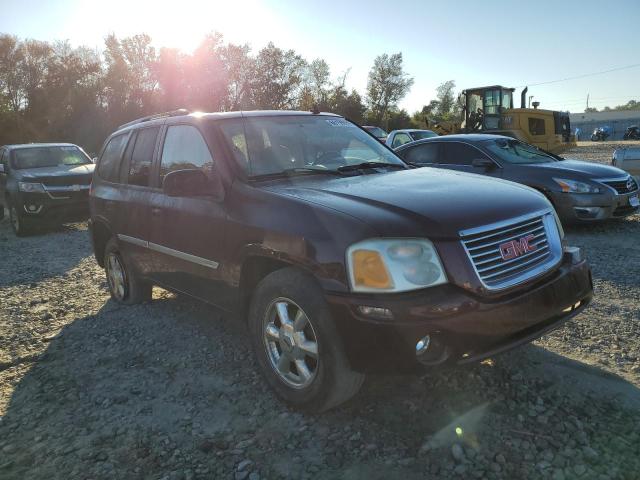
<point x="387" y="85"/>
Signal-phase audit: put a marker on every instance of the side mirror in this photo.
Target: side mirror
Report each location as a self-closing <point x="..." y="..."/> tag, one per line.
<point x="192" y="183"/>
<point x="94" y="159"/>
<point x="483" y="163"/>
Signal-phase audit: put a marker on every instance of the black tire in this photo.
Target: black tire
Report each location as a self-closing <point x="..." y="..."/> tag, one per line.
<point x="134" y="289"/>
<point x="21" y="226"/>
<point x="333" y="381"/>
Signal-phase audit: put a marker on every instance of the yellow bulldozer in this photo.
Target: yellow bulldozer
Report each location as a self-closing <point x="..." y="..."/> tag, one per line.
<point x="491" y="110"/>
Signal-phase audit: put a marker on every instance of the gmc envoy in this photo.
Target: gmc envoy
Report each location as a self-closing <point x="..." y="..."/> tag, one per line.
<point x="343" y="259"/>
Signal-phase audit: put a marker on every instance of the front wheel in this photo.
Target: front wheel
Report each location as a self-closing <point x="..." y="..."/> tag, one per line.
<point x="21" y="226"/>
<point x="124" y="284"/>
<point x="296" y="343"/>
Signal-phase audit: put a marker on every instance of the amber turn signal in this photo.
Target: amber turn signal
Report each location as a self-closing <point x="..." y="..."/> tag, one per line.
<point x="369" y="270"/>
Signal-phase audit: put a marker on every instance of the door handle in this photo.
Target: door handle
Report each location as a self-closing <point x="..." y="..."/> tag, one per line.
<point x="156" y="211"/>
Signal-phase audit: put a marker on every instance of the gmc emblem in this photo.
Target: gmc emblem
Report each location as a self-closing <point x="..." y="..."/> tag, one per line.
<point x="515" y="248"/>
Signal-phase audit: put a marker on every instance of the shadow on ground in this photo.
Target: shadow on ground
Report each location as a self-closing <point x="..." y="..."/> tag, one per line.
<point x="169" y="388"/>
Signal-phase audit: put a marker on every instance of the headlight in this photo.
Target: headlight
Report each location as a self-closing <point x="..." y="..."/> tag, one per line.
<point x="394" y="265"/>
<point x="573" y="186"/>
<point x="31" y="187"/>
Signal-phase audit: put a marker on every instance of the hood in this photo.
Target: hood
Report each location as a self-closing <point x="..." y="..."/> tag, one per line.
<point x="419" y="202"/>
<point x="588" y="170"/>
<point x="59" y="174"/>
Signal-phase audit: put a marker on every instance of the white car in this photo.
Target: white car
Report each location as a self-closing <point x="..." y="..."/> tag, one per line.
<point x="400" y="137"/>
<point x="628" y="159"/>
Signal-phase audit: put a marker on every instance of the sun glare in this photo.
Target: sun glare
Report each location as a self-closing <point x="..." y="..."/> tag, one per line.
<point x="184" y="24"/>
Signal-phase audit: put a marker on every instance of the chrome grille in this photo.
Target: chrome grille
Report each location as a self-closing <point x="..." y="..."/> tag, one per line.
<point x="622" y="185"/>
<point x="483" y="247"/>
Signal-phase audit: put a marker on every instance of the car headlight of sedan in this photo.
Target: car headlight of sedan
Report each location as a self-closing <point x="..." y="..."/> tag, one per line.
<point x="31" y="187"/>
<point x="573" y="186"/>
<point x="394" y="265"/>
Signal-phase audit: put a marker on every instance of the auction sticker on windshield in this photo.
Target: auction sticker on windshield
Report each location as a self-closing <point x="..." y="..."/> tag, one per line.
<point x="339" y="123"/>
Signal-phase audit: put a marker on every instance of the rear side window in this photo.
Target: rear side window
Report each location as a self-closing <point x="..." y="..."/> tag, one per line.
<point x="422" y="154"/>
<point x="184" y="148"/>
<point x="460" y="154"/>
<point x="109" y="163"/>
<point x="142" y="156"/>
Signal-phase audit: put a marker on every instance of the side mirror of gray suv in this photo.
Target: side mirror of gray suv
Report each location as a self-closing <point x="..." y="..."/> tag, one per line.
<point x="192" y="183"/>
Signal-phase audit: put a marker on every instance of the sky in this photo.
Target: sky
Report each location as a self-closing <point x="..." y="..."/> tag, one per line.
<point x="475" y="43"/>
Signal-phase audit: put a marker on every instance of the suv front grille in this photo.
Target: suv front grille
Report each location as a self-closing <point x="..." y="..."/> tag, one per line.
<point x="483" y="245"/>
<point x="623" y="185"/>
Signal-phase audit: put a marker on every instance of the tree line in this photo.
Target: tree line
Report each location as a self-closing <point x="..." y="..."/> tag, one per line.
<point x="51" y="91"/>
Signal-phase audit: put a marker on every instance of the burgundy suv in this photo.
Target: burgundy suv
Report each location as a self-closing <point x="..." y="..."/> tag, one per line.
<point x="342" y="258"/>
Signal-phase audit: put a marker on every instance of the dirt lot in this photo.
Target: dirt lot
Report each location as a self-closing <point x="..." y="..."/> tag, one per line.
<point x="169" y="390"/>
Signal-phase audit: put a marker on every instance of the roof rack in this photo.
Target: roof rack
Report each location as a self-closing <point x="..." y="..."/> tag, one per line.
<point x="172" y="113"/>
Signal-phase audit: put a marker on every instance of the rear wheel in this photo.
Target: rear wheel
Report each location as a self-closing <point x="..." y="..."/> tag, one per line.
<point x="21" y="226"/>
<point x="296" y="343"/>
<point x="125" y="285"/>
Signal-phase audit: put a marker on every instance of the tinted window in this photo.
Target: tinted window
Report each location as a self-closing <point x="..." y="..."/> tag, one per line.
<point x="536" y="126"/>
<point x="184" y="148"/>
<point x="109" y="163"/>
<point x="460" y="154"/>
<point x="3" y="158"/>
<point x="422" y="154"/>
<point x="142" y="156"/>
<point x="400" y="139"/>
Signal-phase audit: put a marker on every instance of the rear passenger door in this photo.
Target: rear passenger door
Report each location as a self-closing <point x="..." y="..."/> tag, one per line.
<point x="139" y="191"/>
<point x="187" y="232"/>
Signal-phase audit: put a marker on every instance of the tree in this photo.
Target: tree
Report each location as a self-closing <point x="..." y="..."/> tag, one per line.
<point x="387" y="85"/>
<point x="239" y="69"/>
<point x="277" y="76"/>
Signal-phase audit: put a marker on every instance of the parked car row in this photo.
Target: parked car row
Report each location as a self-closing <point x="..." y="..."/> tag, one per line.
<point x="343" y="256"/>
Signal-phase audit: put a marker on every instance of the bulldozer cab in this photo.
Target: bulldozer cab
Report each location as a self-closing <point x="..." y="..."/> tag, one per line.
<point x="483" y="107"/>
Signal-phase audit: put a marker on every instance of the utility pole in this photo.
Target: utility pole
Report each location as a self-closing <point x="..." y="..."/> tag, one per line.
<point x="587" y="103"/>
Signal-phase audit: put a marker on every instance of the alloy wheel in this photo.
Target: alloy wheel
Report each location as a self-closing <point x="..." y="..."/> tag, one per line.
<point x="291" y="343"/>
<point x="116" y="276"/>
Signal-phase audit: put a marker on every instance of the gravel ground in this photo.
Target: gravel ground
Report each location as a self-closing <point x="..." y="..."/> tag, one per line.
<point x="169" y="389"/>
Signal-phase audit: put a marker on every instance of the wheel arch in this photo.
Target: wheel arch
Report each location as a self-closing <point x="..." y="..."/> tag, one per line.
<point x="100" y="235"/>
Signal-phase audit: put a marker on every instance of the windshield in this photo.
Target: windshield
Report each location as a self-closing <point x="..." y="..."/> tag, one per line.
<point x="376" y="131"/>
<point x="279" y="144"/>
<point x="420" y="134"/>
<point x="38" y="157"/>
<point x="515" y="151"/>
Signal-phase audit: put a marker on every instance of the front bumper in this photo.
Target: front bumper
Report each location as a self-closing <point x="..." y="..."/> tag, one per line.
<point x="463" y="326"/>
<point x="580" y="207"/>
<point x="54" y="208"/>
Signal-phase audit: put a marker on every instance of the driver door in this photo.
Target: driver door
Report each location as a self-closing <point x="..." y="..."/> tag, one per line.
<point x="187" y="233"/>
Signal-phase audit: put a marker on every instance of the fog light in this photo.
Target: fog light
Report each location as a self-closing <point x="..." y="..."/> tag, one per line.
<point x="575" y="252"/>
<point x="587" y="212"/>
<point x="377" y="312"/>
<point x="32" y="208"/>
<point x="423" y="345"/>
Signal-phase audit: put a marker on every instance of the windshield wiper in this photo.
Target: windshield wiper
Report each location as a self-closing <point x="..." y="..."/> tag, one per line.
<point x="287" y="172"/>
<point x="369" y="165"/>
